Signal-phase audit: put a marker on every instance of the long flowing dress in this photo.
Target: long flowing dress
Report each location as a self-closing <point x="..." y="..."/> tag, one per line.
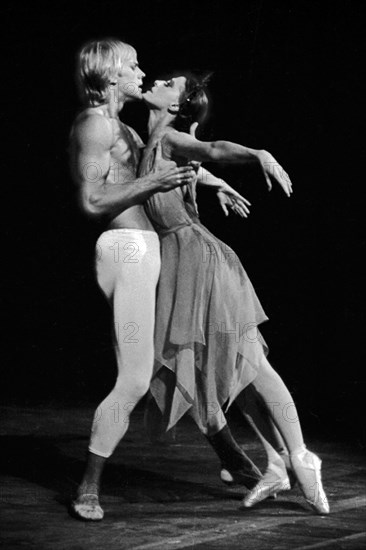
<point x="207" y="344"/>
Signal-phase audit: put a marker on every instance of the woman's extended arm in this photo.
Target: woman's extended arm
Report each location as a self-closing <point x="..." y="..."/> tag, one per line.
<point x="184" y="145"/>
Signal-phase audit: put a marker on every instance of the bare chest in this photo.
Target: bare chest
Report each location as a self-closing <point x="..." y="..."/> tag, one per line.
<point x="125" y="153"/>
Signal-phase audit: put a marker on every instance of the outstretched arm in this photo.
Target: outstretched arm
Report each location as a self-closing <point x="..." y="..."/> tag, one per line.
<point x="92" y="142"/>
<point x="225" y="151"/>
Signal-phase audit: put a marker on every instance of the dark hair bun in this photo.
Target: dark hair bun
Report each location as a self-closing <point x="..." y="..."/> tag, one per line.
<point x="193" y="103"/>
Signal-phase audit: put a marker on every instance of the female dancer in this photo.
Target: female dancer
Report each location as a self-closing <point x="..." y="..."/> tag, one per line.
<point x="207" y="345"/>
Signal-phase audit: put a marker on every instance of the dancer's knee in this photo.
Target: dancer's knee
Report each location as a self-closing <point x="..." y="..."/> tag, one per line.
<point x="133" y="388"/>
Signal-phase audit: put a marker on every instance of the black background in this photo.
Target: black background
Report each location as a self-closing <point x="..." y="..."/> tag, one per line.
<point x="287" y="79"/>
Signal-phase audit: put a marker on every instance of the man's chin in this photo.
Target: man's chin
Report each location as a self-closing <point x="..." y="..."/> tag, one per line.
<point x="137" y="96"/>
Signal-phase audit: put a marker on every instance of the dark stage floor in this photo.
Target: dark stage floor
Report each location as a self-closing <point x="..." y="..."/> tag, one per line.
<point x="165" y="496"/>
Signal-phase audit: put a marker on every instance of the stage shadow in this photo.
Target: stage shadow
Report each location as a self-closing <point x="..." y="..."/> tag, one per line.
<point x="40" y="461"/>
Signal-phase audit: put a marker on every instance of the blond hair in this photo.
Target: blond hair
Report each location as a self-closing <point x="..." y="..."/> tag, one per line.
<point x="98" y="63"/>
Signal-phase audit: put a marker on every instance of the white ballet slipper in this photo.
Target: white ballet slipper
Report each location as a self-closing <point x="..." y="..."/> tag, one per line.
<point x="87" y="508"/>
<point x="274" y="481"/>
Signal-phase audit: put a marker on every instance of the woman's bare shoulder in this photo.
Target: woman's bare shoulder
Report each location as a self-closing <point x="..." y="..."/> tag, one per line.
<point x="168" y="139"/>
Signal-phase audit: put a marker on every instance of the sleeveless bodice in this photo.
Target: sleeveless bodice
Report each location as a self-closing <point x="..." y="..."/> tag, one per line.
<point x="174" y="208"/>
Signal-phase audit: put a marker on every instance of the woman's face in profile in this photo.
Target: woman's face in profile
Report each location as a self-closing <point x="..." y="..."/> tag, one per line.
<point x="164" y="93"/>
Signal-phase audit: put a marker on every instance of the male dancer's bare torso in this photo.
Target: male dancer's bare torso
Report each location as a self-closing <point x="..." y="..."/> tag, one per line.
<point x="125" y="153"/>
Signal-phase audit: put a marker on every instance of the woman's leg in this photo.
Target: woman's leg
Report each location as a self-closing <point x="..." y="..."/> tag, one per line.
<point x="279" y="403"/>
<point x="253" y="408"/>
<point x="255" y="412"/>
<point x="236" y="466"/>
<point x="283" y="411"/>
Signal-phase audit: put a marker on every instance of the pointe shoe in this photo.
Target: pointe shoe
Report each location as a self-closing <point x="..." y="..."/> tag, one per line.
<point x="275" y="480"/>
<point x="307" y="468"/>
<point x="87" y="508"/>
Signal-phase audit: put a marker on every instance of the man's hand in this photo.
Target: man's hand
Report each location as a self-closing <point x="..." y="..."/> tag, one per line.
<point x="168" y="174"/>
<point x="274" y="171"/>
<point x="228" y="197"/>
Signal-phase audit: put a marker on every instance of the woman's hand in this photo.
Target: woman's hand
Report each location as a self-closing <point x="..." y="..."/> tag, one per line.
<point x="193" y="128"/>
<point x="228" y="197"/>
<point x="192" y="131"/>
<point x="274" y="171"/>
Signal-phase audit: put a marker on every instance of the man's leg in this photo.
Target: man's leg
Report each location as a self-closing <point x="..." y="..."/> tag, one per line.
<point x="130" y="287"/>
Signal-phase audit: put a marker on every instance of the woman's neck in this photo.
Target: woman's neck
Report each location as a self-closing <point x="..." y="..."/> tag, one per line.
<point x="159" y="121"/>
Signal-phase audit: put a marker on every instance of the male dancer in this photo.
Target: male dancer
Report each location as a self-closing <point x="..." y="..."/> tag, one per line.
<point x="104" y="156"/>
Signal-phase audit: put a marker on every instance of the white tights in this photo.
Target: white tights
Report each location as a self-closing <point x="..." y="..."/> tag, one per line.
<point x="127" y="267"/>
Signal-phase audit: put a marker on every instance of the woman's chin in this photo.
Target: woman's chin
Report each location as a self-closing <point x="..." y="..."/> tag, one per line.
<point x="146" y="97"/>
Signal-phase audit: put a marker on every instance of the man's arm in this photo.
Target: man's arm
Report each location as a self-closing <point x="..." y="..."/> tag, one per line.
<point x="93" y="139"/>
